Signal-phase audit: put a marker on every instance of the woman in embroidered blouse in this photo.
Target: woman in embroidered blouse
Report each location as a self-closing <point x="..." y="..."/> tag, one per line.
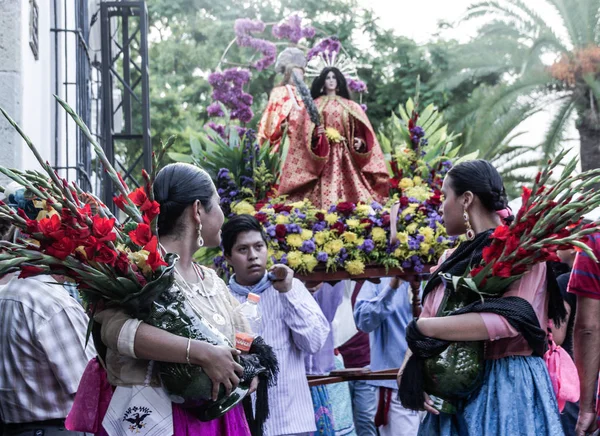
<point x="351" y="167"/>
<point x="516" y="396"/>
<point x="190" y="217"/>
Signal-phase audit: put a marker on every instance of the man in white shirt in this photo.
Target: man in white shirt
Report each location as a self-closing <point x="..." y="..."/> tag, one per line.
<point x="292" y="322"/>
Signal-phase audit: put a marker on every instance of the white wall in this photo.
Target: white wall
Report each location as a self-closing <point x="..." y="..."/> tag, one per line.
<point x="36" y="90"/>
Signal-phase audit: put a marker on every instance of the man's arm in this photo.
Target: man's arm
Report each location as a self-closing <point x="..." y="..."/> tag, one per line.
<point x="587" y="349"/>
<point x="372" y="308"/>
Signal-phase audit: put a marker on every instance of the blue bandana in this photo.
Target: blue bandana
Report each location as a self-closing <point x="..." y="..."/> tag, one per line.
<point x="259" y="288"/>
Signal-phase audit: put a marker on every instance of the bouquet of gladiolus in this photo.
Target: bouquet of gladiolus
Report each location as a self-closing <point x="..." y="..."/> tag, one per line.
<point x="548" y="220"/>
<point x="71" y="233"/>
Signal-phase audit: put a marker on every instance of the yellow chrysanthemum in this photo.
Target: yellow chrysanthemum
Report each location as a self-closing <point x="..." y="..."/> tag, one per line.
<point x="400" y="253"/>
<point x="427" y="233"/>
<point x="306" y="234"/>
<point x="353" y="223"/>
<point x="309" y="261"/>
<point x="364" y="210"/>
<point x="268" y="210"/>
<point x="243" y="207"/>
<point x="421" y="193"/>
<point x="406" y="183"/>
<point x="425" y="248"/>
<point x="360" y="241"/>
<point x="321" y="237"/>
<point x="298" y="204"/>
<point x="350" y="237"/>
<point x="417" y="180"/>
<point x="294" y="259"/>
<point x="403" y="237"/>
<point x="333" y="135"/>
<point x="334" y="246"/>
<point x="294" y="240"/>
<point x="282" y="219"/>
<point x="331" y="218"/>
<point x="378" y="235"/>
<point x="411" y="228"/>
<point x="355" y="267"/>
<point x="410" y="210"/>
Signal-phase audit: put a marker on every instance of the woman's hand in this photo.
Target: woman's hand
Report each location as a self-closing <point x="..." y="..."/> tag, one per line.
<point x="428" y="405"/>
<point x="253" y="385"/>
<point x="320" y="130"/>
<point x="219" y="365"/>
<point x="282" y="277"/>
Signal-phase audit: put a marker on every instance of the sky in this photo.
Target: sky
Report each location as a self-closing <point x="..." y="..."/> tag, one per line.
<point x="419" y="19"/>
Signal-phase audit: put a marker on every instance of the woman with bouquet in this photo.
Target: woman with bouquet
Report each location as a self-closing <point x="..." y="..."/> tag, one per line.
<point x="190" y="217"/>
<point x="512" y="394"/>
<point x="350" y="166"/>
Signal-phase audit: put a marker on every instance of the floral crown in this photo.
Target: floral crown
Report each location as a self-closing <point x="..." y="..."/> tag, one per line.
<point x="332" y="60"/>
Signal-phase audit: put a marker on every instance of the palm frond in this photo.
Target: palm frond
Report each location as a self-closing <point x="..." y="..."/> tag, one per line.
<point x="554" y="135"/>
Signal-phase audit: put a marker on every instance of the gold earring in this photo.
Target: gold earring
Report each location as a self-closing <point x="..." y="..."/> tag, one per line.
<point x="200" y="240"/>
<point x="470" y="232"/>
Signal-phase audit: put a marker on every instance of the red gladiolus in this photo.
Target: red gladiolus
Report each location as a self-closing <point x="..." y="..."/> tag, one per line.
<point x="385" y="220"/>
<point x="394" y="183"/>
<point x="78" y="233"/>
<point x="138" y="197"/>
<point x="120" y="201"/>
<point x="150" y="209"/>
<point x="501" y="269"/>
<point x="501" y="233"/>
<point x="280" y="231"/>
<point x="142" y="235"/>
<point x="122" y="263"/>
<point x="85" y="210"/>
<point x="476" y="270"/>
<point x="367" y="222"/>
<point x="62" y="248"/>
<point x="320" y="216"/>
<point x="106" y="255"/>
<point x="512" y="244"/>
<point x="154" y="260"/>
<point x="31" y="271"/>
<point x="258" y="206"/>
<point x="404" y="201"/>
<point x="345" y="208"/>
<point x="52" y="227"/>
<point x="526" y="195"/>
<point x="436" y="198"/>
<point x="492" y="252"/>
<point x="103" y="228"/>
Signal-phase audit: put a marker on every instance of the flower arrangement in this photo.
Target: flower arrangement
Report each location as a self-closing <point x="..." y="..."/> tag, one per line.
<point x="349" y="236"/>
<point x="75" y="235"/>
<point x="548" y="220"/>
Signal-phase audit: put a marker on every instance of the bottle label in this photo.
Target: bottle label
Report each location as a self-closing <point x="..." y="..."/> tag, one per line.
<point x="243" y="342"/>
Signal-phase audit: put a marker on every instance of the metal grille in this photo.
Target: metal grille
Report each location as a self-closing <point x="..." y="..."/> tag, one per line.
<point x="74" y="81"/>
<point x="125" y="92"/>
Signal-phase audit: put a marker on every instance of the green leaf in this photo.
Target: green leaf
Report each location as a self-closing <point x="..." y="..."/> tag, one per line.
<point x="180" y="157"/>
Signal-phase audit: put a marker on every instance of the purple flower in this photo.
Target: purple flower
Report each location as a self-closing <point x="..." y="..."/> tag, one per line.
<point x="221" y="191"/>
<point x="319" y="226"/>
<point x="283" y="259"/>
<point x="363" y="107"/>
<point x="343" y="254"/>
<point x="367" y="246"/>
<point x="356" y="85"/>
<point x="292" y="228"/>
<point x="291" y="29"/>
<point x="407" y="217"/>
<point x="244" y="26"/>
<point x="218" y="128"/>
<point x="440" y="239"/>
<point x="417" y="131"/>
<point x="223" y="173"/>
<point x="308" y="32"/>
<point x="271" y="231"/>
<point x="376" y="206"/>
<point x="419" y="268"/>
<point x="308" y="246"/>
<point x="406" y="264"/>
<point x="300" y="214"/>
<point x="246" y="181"/>
<point x="420" y="238"/>
<point x="233" y="193"/>
<point x="215" y="110"/>
<point x="322" y="256"/>
<point x="327" y="46"/>
<point x="332" y="208"/>
<point x="412" y="200"/>
<point x="413" y="244"/>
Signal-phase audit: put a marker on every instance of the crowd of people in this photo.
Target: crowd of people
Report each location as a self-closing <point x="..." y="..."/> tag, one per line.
<point x="45" y="352"/>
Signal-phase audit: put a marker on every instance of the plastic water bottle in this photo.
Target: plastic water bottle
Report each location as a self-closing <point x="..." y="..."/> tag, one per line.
<point x="251" y="312"/>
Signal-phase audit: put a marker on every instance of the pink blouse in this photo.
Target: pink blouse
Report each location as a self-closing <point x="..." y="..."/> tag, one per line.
<point x="504" y="340"/>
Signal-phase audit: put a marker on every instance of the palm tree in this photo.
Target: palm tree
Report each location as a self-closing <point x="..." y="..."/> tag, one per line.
<point x="516" y="41"/>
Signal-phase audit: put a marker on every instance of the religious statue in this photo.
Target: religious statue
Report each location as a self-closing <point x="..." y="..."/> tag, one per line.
<point x="340" y="159"/>
<point x="285" y="109"/>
